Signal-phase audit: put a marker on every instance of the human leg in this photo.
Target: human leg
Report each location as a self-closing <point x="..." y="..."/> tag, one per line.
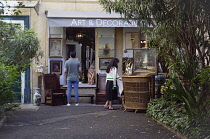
<point x="106" y="106"/>
<point x="110" y="105"/>
<point x="69" y="85"/>
<point x="108" y="93"/>
<point x="76" y="91"/>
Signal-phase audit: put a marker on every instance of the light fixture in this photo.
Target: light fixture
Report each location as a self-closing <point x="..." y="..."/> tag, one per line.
<point x="79" y="35"/>
<point x="143" y="41"/>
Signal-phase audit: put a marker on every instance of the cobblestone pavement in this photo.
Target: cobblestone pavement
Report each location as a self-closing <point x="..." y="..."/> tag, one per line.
<point x="85" y="121"/>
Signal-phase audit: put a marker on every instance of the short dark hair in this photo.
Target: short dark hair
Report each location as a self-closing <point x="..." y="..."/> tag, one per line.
<point x="73" y="54"/>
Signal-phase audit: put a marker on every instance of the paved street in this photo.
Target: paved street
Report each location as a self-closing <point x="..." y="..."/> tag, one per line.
<point x="85" y="121"/>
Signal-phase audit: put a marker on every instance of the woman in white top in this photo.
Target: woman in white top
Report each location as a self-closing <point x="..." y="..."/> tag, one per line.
<point x="111" y="83"/>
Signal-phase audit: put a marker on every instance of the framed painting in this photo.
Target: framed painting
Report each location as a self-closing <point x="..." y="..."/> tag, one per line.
<point x="104" y="62"/>
<point x="127" y="66"/>
<point x="56" y="67"/>
<point x="55" y="47"/>
<point x="132" y="40"/>
<point x="145" y="61"/>
<point x="106" y="46"/>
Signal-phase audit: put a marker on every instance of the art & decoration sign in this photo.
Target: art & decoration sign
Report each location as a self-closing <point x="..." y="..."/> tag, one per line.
<point x="66" y="22"/>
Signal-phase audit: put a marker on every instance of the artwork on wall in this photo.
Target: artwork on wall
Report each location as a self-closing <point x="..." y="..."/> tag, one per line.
<point x="56" y="67"/>
<point x="145" y="61"/>
<point x="55" y="49"/>
<point x="106" y="42"/>
<point x="104" y="62"/>
<point x="132" y="40"/>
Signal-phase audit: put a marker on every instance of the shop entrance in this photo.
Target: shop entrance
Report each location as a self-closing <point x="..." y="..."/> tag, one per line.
<point x="82" y="41"/>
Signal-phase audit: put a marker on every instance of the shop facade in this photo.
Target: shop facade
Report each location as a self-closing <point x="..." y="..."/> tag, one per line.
<point x="81" y="26"/>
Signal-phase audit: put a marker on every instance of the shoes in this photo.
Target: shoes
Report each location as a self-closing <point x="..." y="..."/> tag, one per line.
<point x="68" y="104"/>
<point x="106" y="106"/>
<point x="77" y="104"/>
<point x="111" y="108"/>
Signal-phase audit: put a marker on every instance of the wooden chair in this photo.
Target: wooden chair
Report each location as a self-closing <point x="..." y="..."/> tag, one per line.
<point x="54" y="95"/>
<point x="101" y="89"/>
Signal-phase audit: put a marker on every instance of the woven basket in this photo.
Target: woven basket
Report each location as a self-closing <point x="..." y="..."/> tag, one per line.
<point x="137" y="92"/>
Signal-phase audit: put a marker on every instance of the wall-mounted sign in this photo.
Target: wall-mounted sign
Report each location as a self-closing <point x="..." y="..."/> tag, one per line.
<point x="66" y="22"/>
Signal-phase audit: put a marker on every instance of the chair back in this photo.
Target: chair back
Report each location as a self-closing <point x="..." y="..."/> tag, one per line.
<point x="51" y="81"/>
<point x="101" y="82"/>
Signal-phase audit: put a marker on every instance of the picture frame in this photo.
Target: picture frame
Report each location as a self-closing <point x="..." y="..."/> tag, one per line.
<point x="145" y="61"/>
<point x="55" y="47"/>
<point x="106" y="42"/>
<point x="127" y="65"/>
<point x="56" y="67"/>
<point x="104" y="62"/>
<point x="132" y="40"/>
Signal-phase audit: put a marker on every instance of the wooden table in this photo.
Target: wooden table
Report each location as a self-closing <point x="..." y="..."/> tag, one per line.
<point x="83" y="86"/>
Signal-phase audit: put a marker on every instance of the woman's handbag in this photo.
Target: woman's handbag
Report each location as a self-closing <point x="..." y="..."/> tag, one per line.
<point x="114" y="88"/>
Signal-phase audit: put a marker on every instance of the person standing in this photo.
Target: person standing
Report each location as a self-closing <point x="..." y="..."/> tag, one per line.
<point x="111" y="83"/>
<point x="72" y="68"/>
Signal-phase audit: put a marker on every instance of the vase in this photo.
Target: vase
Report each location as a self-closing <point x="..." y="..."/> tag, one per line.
<point x="37" y="97"/>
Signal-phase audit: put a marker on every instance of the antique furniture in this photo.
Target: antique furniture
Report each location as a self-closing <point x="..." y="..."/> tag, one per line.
<point x="101" y="89"/>
<point x="54" y="95"/>
<point x="91" y="96"/>
<point x="138" y="91"/>
<point x="82" y="88"/>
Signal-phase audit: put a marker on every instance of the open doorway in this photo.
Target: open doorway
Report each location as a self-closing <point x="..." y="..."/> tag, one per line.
<point x="82" y="40"/>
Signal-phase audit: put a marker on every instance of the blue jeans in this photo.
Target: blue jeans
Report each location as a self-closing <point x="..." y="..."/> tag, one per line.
<point x="76" y="93"/>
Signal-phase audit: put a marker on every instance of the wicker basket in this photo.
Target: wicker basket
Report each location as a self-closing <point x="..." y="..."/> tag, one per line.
<point x="137" y="91"/>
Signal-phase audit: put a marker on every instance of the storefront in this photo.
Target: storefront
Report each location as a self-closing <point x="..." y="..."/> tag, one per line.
<point x="96" y="37"/>
<point x="78" y="26"/>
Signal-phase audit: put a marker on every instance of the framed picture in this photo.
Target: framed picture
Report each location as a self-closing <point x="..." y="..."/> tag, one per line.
<point x="56" y="67"/>
<point x="55" y="48"/>
<point x="127" y="65"/>
<point x="145" y="61"/>
<point x="104" y="62"/>
<point x="132" y="40"/>
<point x="106" y="46"/>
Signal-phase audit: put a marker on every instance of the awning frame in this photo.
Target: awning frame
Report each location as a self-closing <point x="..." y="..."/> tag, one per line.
<point x="15" y="4"/>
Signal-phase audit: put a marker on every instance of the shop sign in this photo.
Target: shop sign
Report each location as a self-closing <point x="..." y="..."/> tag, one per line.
<point x="66" y="22"/>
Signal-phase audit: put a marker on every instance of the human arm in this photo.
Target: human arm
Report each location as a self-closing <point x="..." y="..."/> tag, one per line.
<point x="65" y="70"/>
<point x="114" y="70"/>
<point x="80" y="69"/>
<point x="118" y="77"/>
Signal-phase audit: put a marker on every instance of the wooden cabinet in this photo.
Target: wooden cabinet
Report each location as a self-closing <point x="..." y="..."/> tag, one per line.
<point x="138" y="91"/>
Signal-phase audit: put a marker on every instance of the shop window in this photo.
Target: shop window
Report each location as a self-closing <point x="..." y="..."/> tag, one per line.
<point x="106" y="42"/>
<point x="135" y="40"/>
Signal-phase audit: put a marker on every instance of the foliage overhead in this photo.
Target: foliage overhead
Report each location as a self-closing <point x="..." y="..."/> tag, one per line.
<point x="5" y="8"/>
<point x="181" y="31"/>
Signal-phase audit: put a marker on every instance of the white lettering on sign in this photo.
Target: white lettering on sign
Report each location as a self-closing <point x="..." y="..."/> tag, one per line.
<point x="115" y="23"/>
<point x="92" y="23"/>
<point x="78" y="22"/>
<point x="74" y="23"/>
